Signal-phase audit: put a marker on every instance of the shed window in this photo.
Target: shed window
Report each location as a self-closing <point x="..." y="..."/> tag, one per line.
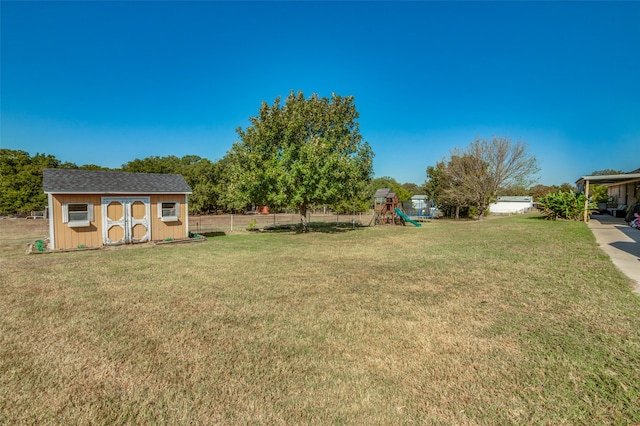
<point x="169" y="211"/>
<point x="77" y="214"/>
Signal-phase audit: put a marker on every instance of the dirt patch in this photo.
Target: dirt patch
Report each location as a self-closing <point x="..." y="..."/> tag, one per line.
<point x="14" y="231"/>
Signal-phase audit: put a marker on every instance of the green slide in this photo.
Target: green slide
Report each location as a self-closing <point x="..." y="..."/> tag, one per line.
<point x="406" y="218"/>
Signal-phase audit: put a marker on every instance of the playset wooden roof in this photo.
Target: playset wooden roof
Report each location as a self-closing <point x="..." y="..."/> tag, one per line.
<point x="382" y="193"/>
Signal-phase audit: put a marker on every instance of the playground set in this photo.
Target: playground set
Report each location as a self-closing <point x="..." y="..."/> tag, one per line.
<point x="388" y="209"/>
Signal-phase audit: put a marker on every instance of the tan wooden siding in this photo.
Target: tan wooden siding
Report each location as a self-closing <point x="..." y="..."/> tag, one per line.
<point x="115" y="211"/>
<point x="138" y="210"/>
<point x="160" y="230"/>
<point x="66" y="237"/>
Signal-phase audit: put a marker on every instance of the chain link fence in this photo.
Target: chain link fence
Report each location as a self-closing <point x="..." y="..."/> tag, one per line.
<point x="217" y="224"/>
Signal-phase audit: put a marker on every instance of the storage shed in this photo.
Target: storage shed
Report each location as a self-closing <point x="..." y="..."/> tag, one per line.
<point x="90" y="208"/>
<point x="511" y="205"/>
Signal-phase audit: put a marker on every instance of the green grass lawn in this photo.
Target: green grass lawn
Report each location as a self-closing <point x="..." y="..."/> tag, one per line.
<point x="505" y="321"/>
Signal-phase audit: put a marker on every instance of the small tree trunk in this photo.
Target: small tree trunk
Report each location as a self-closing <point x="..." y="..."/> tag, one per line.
<point x="481" y="211"/>
<point x="304" y="225"/>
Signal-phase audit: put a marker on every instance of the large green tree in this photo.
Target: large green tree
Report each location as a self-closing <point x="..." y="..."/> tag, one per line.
<point x="21" y="180"/>
<point x="306" y="152"/>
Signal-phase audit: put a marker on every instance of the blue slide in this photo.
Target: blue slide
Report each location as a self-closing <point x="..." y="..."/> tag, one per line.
<point x="406" y="218"/>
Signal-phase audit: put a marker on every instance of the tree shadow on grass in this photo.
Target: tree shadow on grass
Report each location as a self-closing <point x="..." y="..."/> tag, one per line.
<point x="211" y="233"/>
<point x="322" y="227"/>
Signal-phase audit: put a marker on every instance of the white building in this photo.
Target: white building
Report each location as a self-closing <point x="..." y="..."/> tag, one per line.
<point x="420" y="203"/>
<point x="511" y="205"/>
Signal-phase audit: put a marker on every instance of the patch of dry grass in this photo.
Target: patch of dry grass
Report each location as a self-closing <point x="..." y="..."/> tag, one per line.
<point x="514" y="320"/>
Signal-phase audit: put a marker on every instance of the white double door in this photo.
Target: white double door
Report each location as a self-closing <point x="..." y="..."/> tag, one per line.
<point x="126" y="220"/>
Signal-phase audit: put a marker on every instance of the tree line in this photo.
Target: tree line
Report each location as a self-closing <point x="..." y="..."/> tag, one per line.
<point x="21" y="181"/>
<point x="301" y="154"/>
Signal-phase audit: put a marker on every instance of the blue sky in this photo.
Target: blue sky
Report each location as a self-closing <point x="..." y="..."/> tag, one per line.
<point x="107" y="82"/>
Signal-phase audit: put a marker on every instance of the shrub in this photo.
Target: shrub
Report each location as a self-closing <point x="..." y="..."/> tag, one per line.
<point x="599" y="193"/>
<point x="563" y="205"/>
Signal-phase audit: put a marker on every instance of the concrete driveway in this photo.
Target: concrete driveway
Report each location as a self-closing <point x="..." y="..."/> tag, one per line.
<point x="620" y="242"/>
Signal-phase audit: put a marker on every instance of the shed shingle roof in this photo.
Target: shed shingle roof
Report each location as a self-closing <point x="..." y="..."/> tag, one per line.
<point x="63" y="181"/>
